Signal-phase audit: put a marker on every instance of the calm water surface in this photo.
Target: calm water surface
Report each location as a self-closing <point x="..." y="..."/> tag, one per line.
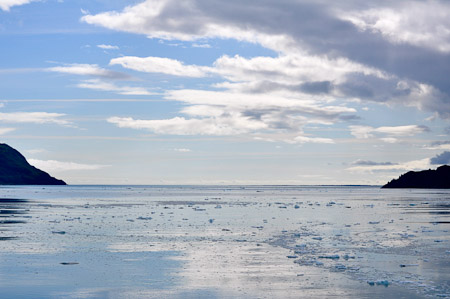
<point x="223" y="242"/>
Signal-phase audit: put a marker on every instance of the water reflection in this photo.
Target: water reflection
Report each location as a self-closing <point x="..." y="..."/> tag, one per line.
<point x="12" y="212"/>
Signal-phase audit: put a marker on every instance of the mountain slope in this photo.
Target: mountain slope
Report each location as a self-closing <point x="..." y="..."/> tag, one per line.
<point x="15" y="170"/>
<point x="433" y="179"/>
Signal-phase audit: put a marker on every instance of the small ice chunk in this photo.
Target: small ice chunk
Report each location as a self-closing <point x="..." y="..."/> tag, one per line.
<point x="408" y="265"/>
<point x="374" y="222"/>
<point x="340" y="267"/>
<point x="331" y="257"/>
<point x="59" y="232"/>
<point x="382" y="283"/>
<point x="317" y="238"/>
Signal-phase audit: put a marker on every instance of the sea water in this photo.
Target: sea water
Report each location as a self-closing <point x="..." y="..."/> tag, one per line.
<point x="223" y="242"/>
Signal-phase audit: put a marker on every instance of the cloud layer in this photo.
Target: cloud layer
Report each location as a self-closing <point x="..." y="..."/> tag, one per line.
<point x="327" y="56"/>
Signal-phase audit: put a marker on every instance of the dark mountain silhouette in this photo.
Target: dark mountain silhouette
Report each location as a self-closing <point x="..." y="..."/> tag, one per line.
<point x="433" y="179"/>
<point x="15" y="170"/>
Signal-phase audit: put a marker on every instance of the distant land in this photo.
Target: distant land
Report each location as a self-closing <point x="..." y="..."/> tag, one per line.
<point x="15" y="170"/>
<point x="433" y="179"/>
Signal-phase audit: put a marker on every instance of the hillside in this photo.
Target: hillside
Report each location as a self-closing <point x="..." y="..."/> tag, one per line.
<point x="15" y="170"/>
<point x="433" y="179"/>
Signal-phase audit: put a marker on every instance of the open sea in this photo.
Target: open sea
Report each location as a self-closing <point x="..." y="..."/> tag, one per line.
<point x="224" y="242"/>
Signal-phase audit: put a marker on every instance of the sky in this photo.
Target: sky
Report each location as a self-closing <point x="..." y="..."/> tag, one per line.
<point x="226" y="92"/>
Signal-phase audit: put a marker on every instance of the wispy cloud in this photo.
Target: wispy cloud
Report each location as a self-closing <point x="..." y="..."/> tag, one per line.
<point x="371" y="163"/>
<point x="305" y="139"/>
<point x="34" y="117"/>
<point x="182" y="150"/>
<point x="160" y="65"/>
<point x="364" y="132"/>
<point x="227" y="113"/>
<point x="60" y="166"/>
<point x="206" y="46"/>
<point x="36" y="151"/>
<point x="88" y="70"/>
<point x="4" y="131"/>
<point x="108" y="47"/>
<point x="107" y="86"/>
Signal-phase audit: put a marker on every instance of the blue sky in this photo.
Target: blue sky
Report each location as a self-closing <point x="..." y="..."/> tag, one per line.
<point x="226" y="92"/>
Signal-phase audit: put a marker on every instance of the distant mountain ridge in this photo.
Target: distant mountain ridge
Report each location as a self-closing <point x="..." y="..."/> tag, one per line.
<point x="433" y="179"/>
<point x="15" y="170"/>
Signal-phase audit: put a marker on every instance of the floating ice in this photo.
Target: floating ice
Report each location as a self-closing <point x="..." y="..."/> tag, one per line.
<point x="408" y="265"/>
<point x="382" y="283"/>
<point x="331" y="257"/>
<point x="340" y="267"/>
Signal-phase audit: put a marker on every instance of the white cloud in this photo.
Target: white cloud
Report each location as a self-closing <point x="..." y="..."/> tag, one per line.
<point x="6" y="130"/>
<point x="364" y="132"/>
<point x="7" y="4"/>
<point x="272" y="94"/>
<point x="88" y="70"/>
<point x="106" y="86"/>
<point x="389" y="139"/>
<point x="36" y="151"/>
<point x="195" y="45"/>
<point x="420" y="23"/>
<point x="52" y="166"/>
<point x="229" y="125"/>
<point x="292" y="68"/>
<point x="305" y="139"/>
<point x="34" y="117"/>
<point x="317" y="50"/>
<point x="108" y="47"/>
<point x="160" y="65"/>
<point x="182" y="150"/>
<point x="229" y="113"/>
